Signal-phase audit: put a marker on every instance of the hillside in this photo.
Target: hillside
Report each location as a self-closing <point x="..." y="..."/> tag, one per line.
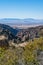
<point x="31" y="54"/>
<point x="16" y="36"/>
<point x="21" y="46"/>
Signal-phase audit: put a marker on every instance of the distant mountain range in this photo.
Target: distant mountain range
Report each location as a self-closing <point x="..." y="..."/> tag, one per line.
<point x="27" y="21"/>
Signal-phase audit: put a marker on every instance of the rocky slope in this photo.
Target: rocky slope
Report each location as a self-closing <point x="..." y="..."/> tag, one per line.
<point x="30" y="53"/>
<point x="9" y="36"/>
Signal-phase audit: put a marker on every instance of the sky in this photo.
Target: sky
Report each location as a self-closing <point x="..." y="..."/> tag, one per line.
<point x="21" y="9"/>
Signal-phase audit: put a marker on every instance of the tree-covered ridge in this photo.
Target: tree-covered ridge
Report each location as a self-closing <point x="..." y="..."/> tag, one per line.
<point x="28" y="55"/>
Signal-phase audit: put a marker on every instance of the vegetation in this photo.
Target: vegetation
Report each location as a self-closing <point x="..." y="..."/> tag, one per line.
<point x="27" y="55"/>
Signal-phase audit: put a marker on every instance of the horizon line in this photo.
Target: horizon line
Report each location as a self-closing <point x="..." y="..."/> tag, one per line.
<point x="21" y="18"/>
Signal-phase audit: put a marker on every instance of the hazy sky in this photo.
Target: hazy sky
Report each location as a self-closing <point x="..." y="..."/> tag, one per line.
<point x="21" y="9"/>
